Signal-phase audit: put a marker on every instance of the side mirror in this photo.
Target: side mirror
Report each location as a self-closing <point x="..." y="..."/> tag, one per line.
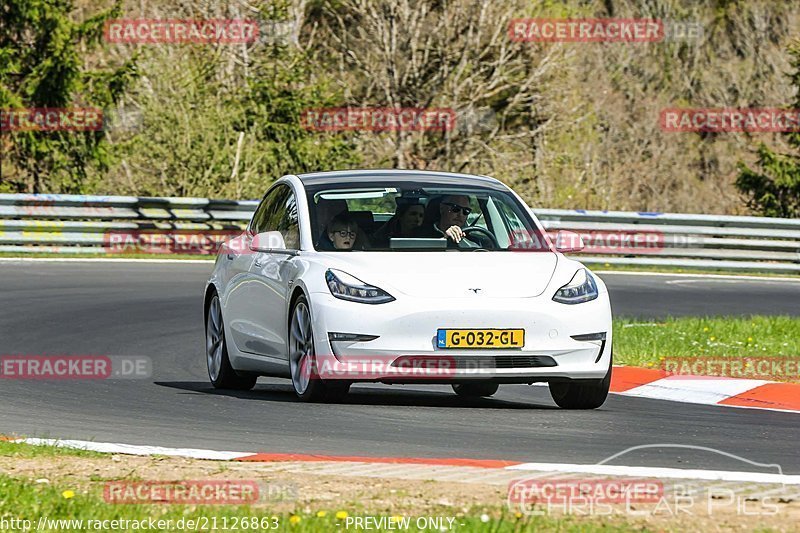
<point x="569" y="241"/>
<point x="268" y="241"/>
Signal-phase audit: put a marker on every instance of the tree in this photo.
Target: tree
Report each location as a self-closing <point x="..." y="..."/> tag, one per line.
<point x="228" y="121"/>
<point x="44" y="50"/>
<point x="773" y="189"/>
<point x="457" y="55"/>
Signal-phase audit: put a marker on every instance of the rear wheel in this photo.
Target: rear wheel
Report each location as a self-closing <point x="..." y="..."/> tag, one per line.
<point x="220" y="371"/>
<point x="306" y="381"/>
<point x="473" y="390"/>
<point x="585" y="394"/>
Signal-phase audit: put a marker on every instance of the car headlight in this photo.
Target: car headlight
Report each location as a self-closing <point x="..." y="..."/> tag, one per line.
<point x="347" y="287"/>
<point x="581" y="288"/>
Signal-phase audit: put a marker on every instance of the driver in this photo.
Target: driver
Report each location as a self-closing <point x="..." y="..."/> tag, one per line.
<point x="453" y="212"/>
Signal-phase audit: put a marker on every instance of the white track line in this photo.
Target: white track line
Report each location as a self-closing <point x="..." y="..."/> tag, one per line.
<point x="134" y="449"/>
<point x="700" y="275"/>
<point x="729" y="281"/>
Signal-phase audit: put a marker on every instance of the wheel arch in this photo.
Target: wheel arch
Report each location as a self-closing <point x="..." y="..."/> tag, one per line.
<point x="211" y="290"/>
<point x="297" y="292"/>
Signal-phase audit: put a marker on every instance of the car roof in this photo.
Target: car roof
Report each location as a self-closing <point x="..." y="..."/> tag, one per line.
<point x="314" y="179"/>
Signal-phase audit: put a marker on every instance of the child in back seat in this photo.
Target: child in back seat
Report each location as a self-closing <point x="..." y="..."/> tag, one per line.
<point x="342" y="232"/>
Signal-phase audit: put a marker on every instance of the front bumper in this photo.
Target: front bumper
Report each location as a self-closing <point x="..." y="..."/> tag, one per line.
<point x="405" y="348"/>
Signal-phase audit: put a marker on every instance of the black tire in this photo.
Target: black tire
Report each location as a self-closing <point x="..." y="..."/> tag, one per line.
<point x="306" y="382"/>
<point x="220" y="371"/>
<point x="582" y="394"/>
<point x="482" y="389"/>
<point x="336" y="391"/>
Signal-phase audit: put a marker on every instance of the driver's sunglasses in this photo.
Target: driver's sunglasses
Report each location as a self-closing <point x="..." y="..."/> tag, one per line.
<point x="455" y="208"/>
<point x="345" y="233"/>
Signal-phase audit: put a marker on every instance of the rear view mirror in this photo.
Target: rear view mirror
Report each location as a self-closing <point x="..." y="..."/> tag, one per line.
<point x="569" y="241"/>
<point x="268" y="241"/>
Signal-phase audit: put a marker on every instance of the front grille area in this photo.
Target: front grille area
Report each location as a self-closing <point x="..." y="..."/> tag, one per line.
<point x="504" y="361"/>
<point x="479" y="361"/>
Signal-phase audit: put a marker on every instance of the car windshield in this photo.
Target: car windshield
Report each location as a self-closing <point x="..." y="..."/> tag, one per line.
<point x="403" y="216"/>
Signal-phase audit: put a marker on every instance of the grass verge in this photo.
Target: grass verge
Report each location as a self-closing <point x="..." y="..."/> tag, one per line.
<point x="649" y="343"/>
<point x="28" y="505"/>
<point x="65" y="510"/>
<point x="27" y="451"/>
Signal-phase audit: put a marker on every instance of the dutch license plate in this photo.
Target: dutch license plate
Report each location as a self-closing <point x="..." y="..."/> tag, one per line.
<point x="480" y="338"/>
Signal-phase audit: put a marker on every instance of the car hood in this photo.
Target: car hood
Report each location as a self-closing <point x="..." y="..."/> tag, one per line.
<point x="451" y="274"/>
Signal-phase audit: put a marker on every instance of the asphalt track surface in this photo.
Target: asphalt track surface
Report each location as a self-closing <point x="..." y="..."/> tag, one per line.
<point x="155" y="310"/>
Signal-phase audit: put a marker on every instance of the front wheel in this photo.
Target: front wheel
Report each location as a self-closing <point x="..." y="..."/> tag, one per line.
<point x="587" y="394"/>
<point x="475" y="390"/>
<point x="220" y="371"/>
<point x="306" y="380"/>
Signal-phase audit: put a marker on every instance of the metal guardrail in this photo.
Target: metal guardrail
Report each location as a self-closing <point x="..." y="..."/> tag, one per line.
<point x="42" y="223"/>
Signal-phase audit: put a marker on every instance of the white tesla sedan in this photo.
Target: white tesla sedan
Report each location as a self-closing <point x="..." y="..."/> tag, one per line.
<point x="405" y="277"/>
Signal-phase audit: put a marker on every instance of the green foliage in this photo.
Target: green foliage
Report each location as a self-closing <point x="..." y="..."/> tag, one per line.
<point x="773" y="189"/>
<point x="649" y="343"/>
<point x="42" y="64"/>
<point x="566" y="124"/>
<point x="23" y="450"/>
<point x="194" y="118"/>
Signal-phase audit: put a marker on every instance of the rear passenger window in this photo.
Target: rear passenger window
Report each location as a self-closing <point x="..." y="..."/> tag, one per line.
<point x="278" y="212"/>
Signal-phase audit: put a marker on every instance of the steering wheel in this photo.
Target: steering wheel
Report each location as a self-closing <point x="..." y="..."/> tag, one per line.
<point x="483" y="231"/>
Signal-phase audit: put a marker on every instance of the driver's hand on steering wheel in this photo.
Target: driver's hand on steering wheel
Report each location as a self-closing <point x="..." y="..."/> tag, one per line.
<point x="455" y="233"/>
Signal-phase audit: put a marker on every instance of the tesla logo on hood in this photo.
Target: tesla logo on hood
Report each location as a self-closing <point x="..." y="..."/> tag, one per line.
<point x="474" y="290"/>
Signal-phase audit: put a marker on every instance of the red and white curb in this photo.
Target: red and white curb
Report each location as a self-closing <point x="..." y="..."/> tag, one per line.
<point x="194" y="453"/>
<point x="732" y="392"/>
